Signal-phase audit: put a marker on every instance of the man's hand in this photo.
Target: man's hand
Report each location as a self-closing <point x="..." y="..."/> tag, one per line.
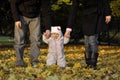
<point x="108" y="19"/>
<point x="47" y="33"/>
<point x="18" y="24"/>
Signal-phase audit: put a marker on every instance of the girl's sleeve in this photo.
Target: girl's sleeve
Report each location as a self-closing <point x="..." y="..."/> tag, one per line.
<point x="45" y="39"/>
<point x="66" y="40"/>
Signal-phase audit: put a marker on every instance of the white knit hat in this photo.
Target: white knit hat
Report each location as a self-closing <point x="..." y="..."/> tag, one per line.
<point x="56" y="29"/>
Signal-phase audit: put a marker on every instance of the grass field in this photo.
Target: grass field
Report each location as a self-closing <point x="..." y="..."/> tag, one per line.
<point x="108" y="65"/>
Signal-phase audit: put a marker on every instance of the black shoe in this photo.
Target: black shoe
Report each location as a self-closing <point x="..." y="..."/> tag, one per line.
<point x="93" y="67"/>
<point x="21" y="64"/>
<point x="34" y="64"/>
<point x="88" y="66"/>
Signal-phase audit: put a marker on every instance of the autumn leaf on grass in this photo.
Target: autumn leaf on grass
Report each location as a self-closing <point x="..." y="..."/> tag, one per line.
<point x="54" y="77"/>
<point x="40" y="78"/>
<point x="77" y="65"/>
<point x="68" y="74"/>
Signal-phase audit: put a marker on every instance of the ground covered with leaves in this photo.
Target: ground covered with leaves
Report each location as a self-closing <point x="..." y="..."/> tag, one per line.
<point x="108" y="65"/>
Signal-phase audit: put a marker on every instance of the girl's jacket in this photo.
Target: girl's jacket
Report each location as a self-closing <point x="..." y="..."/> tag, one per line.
<point x="56" y="45"/>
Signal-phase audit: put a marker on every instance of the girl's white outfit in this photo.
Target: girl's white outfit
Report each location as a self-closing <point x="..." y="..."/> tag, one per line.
<point x="56" y="50"/>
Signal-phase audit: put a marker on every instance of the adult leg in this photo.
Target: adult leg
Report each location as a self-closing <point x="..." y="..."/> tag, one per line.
<point x="19" y="35"/>
<point x="87" y="51"/>
<point x="94" y="47"/>
<point x="35" y="34"/>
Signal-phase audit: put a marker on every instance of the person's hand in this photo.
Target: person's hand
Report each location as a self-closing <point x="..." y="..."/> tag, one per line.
<point x="108" y="19"/>
<point x="67" y="34"/>
<point x="44" y="35"/>
<point x="47" y="33"/>
<point x="18" y="24"/>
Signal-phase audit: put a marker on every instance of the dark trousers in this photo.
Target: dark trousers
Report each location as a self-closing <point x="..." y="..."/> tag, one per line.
<point x="91" y="49"/>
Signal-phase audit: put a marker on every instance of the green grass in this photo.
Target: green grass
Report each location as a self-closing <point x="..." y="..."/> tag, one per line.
<point x="6" y="39"/>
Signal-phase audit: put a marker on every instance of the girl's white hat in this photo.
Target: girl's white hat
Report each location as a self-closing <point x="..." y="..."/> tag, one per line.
<point x="56" y="29"/>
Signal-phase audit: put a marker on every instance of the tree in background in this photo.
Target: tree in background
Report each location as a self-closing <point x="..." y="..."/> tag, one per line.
<point x="115" y="6"/>
<point x="60" y="13"/>
<point x="6" y="20"/>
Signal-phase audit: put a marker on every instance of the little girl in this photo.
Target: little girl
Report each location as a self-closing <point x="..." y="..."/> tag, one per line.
<point x="56" y="47"/>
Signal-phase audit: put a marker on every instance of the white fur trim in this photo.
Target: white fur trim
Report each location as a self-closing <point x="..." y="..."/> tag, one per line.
<point x="68" y="29"/>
